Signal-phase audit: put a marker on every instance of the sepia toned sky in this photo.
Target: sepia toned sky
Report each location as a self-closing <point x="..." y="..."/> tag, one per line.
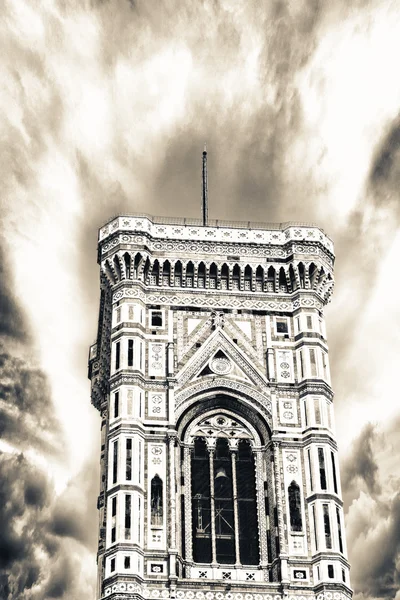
<point x="105" y="107"/>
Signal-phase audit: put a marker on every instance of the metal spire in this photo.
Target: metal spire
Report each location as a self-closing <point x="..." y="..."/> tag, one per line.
<point x="205" y="188"/>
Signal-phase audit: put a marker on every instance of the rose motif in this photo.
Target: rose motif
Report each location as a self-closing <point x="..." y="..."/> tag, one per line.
<point x="220" y="366"/>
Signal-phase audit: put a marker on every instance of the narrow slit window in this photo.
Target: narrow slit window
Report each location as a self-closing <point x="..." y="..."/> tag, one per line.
<point x="327" y="526"/>
<point x="314" y="525"/>
<point x="116" y="405"/>
<point x="139" y="520"/>
<point x="129" y="459"/>
<point x="118" y="315"/>
<point x="301" y="364"/>
<point x="339" y="526"/>
<point x="331" y="572"/>
<point x="128" y="510"/>
<point x="129" y="402"/>
<point x="317" y="411"/>
<point x="112" y="565"/>
<point x="130" y="353"/>
<point x="295" y="507"/>
<point x="310" y="469"/>
<point x="113" y="519"/>
<point x="335" y="487"/>
<point x="115" y="462"/>
<point x="131" y="312"/>
<point x="309" y="322"/>
<point x="313" y="363"/>
<point x="322" y="472"/>
<point x="156" y="501"/>
<point x="117" y="354"/>
<point x="127" y="562"/>
<point x="305" y="413"/>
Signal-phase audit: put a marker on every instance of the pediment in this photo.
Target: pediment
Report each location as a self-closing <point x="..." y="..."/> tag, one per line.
<point x="220" y="356"/>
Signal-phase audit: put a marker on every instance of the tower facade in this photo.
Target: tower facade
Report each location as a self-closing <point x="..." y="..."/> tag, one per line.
<point x="219" y="467"/>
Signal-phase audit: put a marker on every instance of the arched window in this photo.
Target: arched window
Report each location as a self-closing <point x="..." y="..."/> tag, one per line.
<point x="155" y="272"/>
<point x="247" y="277"/>
<point x="166" y="272"/>
<point x="178" y="273"/>
<point x="282" y="280"/>
<point x="292" y="278"/>
<point x="302" y="275"/>
<point x="295" y="507"/>
<point x="271" y="280"/>
<point x="201" y="275"/>
<point x="224" y="276"/>
<point x="156" y="501"/>
<point x="259" y="278"/>
<point x="223" y="494"/>
<point x="189" y="274"/>
<point x="136" y="264"/>
<point x="127" y="261"/>
<point x="236" y="277"/>
<point x="213" y="276"/>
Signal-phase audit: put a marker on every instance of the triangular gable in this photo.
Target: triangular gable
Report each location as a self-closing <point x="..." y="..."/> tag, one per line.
<point x="220" y="342"/>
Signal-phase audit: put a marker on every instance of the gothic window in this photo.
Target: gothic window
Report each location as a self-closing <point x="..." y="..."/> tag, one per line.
<point x="223" y="495"/>
<point x="302" y="275"/>
<point x="247" y="277"/>
<point x="156" y="501"/>
<point x="189" y="274"/>
<point x="295" y="507"/>
<point x="127" y="261"/>
<point x="155" y="273"/>
<point x="282" y="280"/>
<point x="271" y="280"/>
<point x="213" y="276"/>
<point x="292" y="278"/>
<point x="201" y="275"/>
<point x="224" y="276"/>
<point x="236" y="277"/>
<point x="259" y="279"/>
<point x="166" y="272"/>
<point x="178" y="274"/>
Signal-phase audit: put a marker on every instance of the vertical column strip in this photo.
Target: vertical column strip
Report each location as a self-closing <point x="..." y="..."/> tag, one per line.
<point x="262" y="520"/>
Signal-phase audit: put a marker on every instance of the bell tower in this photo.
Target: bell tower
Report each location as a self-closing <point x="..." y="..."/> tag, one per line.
<point x="219" y="466"/>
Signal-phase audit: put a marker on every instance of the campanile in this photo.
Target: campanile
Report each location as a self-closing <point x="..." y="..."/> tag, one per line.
<point x="219" y="465"/>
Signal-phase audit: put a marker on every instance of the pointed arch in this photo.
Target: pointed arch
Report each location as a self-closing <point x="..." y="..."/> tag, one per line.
<point x="271" y="279"/>
<point x="201" y="275"/>
<point x="117" y="267"/>
<point x="224" y="277"/>
<point x="302" y="275"/>
<point x="137" y="264"/>
<point x="155" y="273"/>
<point x="236" y="277"/>
<point x="312" y="275"/>
<point x="292" y="277"/>
<point x="178" y="273"/>
<point x="213" y="275"/>
<point x="259" y="278"/>
<point x="190" y="274"/>
<point x="282" y="280"/>
<point x="248" y="273"/>
<point x="127" y="263"/>
<point x="166" y="272"/>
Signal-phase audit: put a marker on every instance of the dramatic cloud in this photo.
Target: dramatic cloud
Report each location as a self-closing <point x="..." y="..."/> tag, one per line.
<point x="106" y="107"/>
<point x="373" y="519"/>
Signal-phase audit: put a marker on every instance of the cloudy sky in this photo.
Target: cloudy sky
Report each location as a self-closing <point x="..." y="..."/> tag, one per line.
<point x="105" y="108"/>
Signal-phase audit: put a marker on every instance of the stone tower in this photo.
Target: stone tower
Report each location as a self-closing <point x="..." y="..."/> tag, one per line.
<point x="219" y="465"/>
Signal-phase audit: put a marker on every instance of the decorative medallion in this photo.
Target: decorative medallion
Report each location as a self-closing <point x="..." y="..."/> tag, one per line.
<point x="220" y="365"/>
